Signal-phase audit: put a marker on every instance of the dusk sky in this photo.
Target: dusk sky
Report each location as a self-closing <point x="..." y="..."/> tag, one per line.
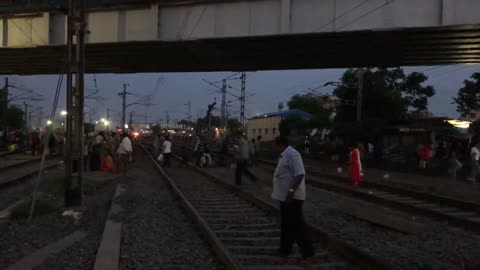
<point x="269" y="87"/>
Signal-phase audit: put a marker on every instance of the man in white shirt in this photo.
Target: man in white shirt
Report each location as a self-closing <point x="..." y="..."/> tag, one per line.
<point x="289" y="190"/>
<point x="475" y="167"/>
<point x="124" y="153"/>
<point x="167" y="152"/>
<point x="241" y="157"/>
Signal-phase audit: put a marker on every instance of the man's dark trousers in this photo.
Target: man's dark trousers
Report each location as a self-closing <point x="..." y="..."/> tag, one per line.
<point x="293" y="229"/>
<point x="242" y="168"/>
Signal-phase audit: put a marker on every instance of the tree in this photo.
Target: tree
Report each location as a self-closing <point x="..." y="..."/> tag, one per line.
<point x="234" y="126"/>
<point x="468" y="97"/>
<point x="311" y="104"/>
<point x="202" y="123"/>
<point x="474" y="128"/>
<point x="388" y="94"/>
<point x="294" y="122"/>
<point x="15" y="117"/>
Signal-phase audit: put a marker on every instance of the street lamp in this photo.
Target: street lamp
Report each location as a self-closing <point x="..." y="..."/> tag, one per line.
<point x="49" y="122"/>
<point x="63" y="113"/>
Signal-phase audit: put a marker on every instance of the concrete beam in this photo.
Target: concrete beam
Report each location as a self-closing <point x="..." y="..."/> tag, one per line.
<point x="190" y="20"/>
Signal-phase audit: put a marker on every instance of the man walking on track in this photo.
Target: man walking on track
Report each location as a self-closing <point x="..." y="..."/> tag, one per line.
<point x="167" y="152"/>
<point x="289" y="190"/>
<point x="124" y="153"/>
<point x="241" y="157"/>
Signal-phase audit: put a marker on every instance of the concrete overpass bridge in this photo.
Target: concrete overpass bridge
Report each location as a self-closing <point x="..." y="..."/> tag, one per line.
<point x="128" y="36"/>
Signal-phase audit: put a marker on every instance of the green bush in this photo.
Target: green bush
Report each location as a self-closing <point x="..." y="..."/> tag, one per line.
<point x="22" y="211"/>
<point x="56" y="185"/>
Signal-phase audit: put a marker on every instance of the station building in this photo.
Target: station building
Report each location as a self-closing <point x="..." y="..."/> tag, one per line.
<point x="267" y="125"/>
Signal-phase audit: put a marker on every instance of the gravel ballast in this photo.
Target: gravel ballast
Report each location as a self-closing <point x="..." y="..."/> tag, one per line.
<point x="437" y="248"/>
<point x="21" y="238"/>
<point x="157" y="233"/>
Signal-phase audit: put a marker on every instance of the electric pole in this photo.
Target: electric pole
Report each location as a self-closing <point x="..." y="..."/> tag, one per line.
<point x="123" y="94"/>
<point x="74" y="155"/>
<point x="5" y="107"/>
<point x="360" y="96"/>
<point x="168" y="119"/>
<point x="189" y="110"/>
<point x="209" y="117"/>
<point x="243" y="78"/>
<point x="130" y="122"/>
<point x="108" y="119"/>
<point x="223" y="109"/>
<point x="26" y="114"/>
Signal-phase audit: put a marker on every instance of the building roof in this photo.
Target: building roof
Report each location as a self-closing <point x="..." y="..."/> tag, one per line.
<point x="284" y="114"/>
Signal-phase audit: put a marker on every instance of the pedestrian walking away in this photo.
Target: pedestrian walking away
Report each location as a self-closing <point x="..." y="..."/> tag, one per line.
<point x="307" y="145"/>
<point x="251" y="149"/>
<point x="356" y="169"/>
<point x="124" y="153"/>
<point x="453" y="165"/>
<point x="241" y="157"/>
<point x="289" y="190"/>
<point x="474" y="167"/>
<point x="167" y="152"/>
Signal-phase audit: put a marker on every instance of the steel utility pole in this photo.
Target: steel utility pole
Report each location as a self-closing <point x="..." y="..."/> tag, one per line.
<point x="26" y="114"/>
<point x="243" y="78"/>
<point x="123" y="94"/>
<point x="108" y="119"/>
<point x="209" y="117"/>
<point x="189" y="110"/>
<point x="76" y="25"/>
<point x="223" y="109"/>
<point x="130" y="122"/>
<point x="168" y="119"/>
<point x="360" y="96"/>
<point x="5" y="106"/>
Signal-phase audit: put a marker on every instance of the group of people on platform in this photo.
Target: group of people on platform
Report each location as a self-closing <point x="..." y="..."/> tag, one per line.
<point x="34" y="141"/>
<point x="108" y="152"/>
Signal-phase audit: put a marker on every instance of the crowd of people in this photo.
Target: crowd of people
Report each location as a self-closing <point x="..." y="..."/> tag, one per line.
<point x="109" y="152"/>
<point x="34" y="142"/>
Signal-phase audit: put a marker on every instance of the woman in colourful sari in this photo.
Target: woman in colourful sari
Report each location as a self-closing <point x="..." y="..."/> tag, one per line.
<point x="355" y="170"/>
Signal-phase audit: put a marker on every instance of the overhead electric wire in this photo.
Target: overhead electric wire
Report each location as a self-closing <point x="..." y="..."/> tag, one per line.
<point x="340" y="16"/>
<point x="450" y="71"/>
<point x="37" y="181"/>
<point x="198" y="21"/>
<point x="388" y="2"/>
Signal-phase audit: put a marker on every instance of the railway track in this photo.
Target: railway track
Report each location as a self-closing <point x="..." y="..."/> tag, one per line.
<point x="16" y="159"/>
<point x="456" y="212"/>
<point x="17" y="172"/>
<point x="244" y="230"/>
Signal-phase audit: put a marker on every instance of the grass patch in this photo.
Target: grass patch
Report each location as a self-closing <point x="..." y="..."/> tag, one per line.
<point x="56" y="186"/>
<point x="22" y="211"/>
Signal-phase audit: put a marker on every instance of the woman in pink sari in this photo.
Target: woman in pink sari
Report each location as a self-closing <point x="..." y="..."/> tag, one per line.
<point x="355" y="170"/>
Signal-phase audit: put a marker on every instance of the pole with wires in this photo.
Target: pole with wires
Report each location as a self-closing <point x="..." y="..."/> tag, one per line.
<point x="123" y="94"/>
<point x="223" y="112"/>
<point x="360" y="96"/>
<point x="5" y="107"/>
<point x="243" y="78"/>
<point x="75" y="102"/>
